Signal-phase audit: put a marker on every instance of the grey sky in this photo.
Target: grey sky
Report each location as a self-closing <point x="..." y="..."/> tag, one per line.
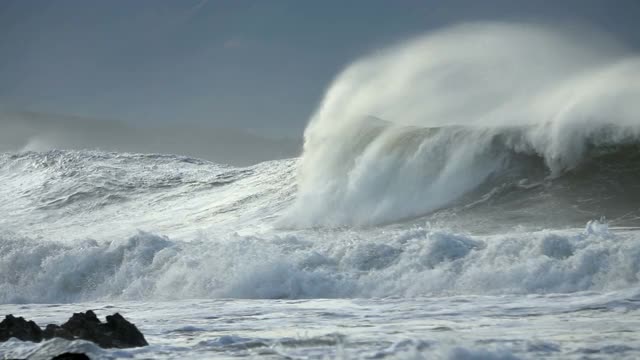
<point x="261" y="65"/>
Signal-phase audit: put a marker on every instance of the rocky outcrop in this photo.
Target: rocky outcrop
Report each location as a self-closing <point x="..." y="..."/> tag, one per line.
<point x="117" y="332"/>
<point x="19" y="328"/>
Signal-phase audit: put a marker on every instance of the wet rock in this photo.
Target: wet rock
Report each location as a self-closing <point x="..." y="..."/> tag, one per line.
<point x="19" y="328"/>
<point x="118" y="326"/>
<point x="52" y="330"/>
<point x="117" y="332"/>
<point x="71" y="356"/>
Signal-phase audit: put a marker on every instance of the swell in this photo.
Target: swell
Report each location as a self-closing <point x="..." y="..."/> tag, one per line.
<point x="78" y="194"/>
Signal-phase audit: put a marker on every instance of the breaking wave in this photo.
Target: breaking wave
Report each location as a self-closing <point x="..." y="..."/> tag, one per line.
<point x="209" y="234"/>
<point x="403" y="263"/>
<point x="412" y="129"/>
<point x="433" y="168"/>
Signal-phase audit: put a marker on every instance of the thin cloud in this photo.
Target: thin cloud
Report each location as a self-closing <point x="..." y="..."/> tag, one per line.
<point x="234" y="44"/>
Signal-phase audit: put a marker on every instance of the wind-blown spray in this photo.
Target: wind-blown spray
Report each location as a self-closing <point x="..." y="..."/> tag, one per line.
<point x="410" y="129"/>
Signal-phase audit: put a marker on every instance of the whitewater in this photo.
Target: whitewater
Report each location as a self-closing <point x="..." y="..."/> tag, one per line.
<point x="471" y="193"/>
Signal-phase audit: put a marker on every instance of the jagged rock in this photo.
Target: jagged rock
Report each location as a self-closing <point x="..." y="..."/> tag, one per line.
<point x="122" y="331"/>
<point x="52" y="330"/>
<point x="71" y="356"/>
<point x="19" y="328"/>
<point x="116" y="332"/>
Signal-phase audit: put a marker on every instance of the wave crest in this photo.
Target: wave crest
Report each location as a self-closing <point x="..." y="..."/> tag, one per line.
<point x="411" y="129"/>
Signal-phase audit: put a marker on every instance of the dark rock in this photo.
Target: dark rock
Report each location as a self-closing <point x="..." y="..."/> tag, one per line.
<point x="18" y="327"/>
<point x="71" y="356"/>
<point x="53" y="330"/>
<point x="123" y="333"/>
<point x="116" y="332"/>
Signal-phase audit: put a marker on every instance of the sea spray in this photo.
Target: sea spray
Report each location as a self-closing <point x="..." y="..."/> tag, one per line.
<point x="410" y="129"/>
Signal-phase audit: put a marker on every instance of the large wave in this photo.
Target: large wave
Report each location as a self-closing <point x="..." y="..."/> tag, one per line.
<point x="493" y="123"/>
<point x="411" y="129"/>
<point x="67" y="234"/>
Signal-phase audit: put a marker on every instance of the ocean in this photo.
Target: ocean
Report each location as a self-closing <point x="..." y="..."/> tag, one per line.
<point x="434" y="213"/>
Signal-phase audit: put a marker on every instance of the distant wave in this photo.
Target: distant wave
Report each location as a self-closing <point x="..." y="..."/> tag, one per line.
<point x="412" y="129"/>
<point x="103" y="194"/>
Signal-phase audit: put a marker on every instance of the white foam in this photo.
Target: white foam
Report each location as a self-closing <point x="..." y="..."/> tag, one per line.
<point x="406" y="263"/>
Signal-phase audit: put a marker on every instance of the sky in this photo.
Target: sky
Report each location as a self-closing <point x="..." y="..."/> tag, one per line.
<point x="257" y="65"/>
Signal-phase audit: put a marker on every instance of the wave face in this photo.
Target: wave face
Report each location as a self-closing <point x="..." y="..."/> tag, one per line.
<point x="412" y="129"/>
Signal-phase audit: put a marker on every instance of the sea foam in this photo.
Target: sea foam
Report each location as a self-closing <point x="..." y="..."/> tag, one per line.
<point x="402" y="263"/>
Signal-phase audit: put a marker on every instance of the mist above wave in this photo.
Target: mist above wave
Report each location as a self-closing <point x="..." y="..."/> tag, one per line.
<point x="28" y="131"/>
<point x="412" y="128"/>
